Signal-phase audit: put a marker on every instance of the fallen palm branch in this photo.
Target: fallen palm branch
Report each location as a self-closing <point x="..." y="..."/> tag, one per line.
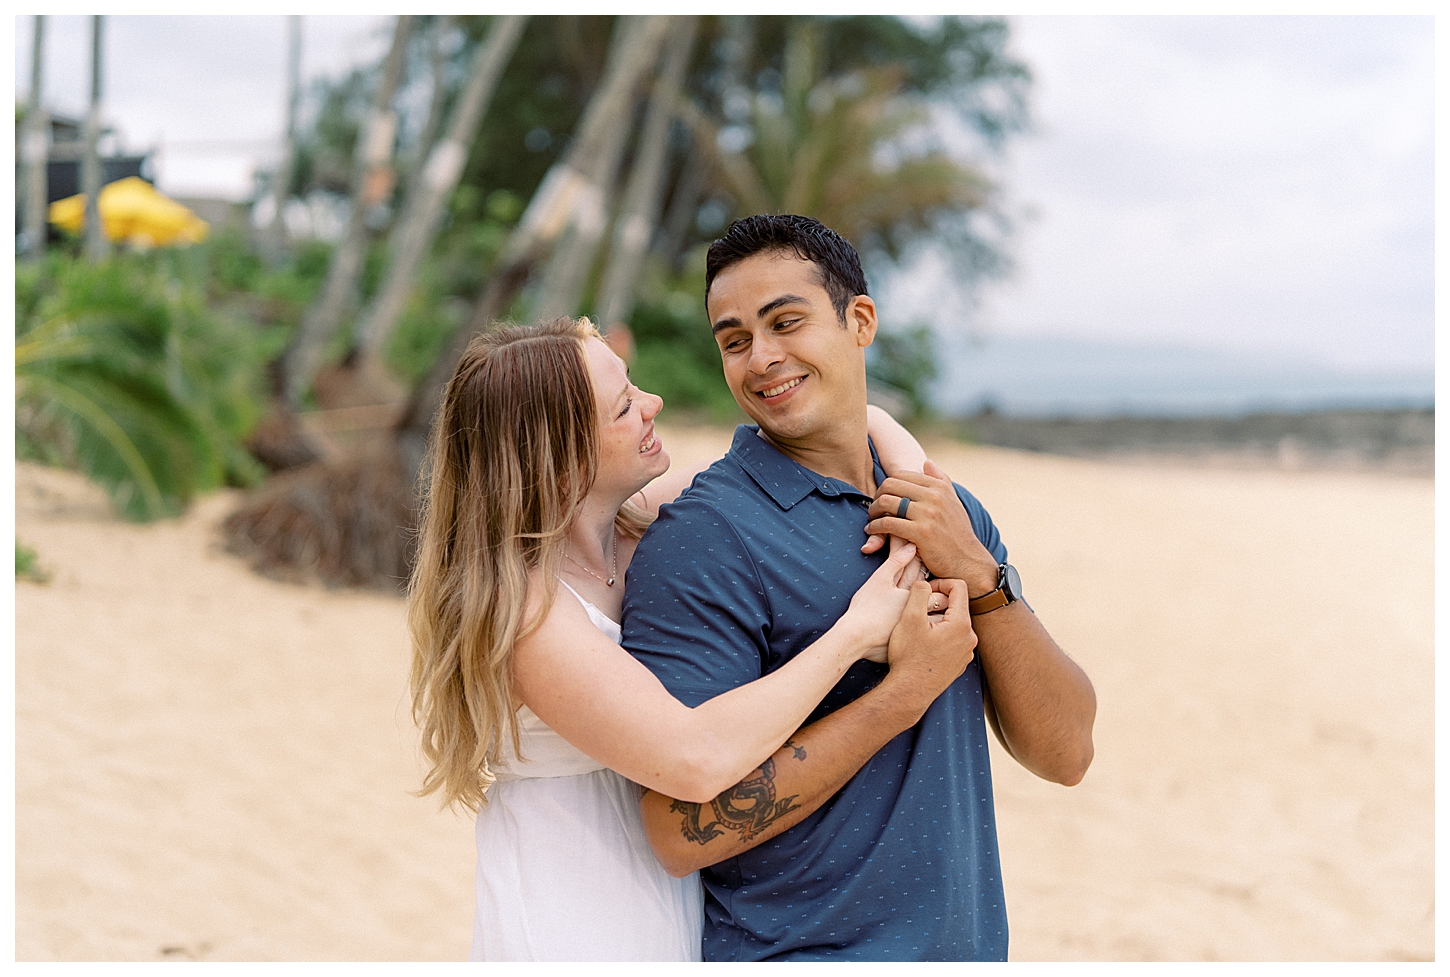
<point x="346" y="522"/>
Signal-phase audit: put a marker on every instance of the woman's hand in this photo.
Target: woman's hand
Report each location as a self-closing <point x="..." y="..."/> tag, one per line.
<point x="877" y="605"/>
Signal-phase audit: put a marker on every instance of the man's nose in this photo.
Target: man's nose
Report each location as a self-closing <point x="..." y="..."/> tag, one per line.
<point x="764" y="354"/>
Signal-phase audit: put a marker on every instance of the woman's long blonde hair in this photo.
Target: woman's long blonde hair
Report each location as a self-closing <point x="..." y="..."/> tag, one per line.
<point x="514" y="450"/>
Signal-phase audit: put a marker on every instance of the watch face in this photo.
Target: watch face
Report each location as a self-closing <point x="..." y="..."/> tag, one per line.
<point x="1011" y="583"/>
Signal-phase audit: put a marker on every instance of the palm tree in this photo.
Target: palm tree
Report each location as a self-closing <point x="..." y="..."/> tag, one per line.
<point x="92" y="175"/>
<point x="34" y="148"/>
<point x="438" y="179"/>
<point x="582" y="186"/>
<point x="370" y="185"/>
<point x="839" y="149"/>
<point x="640" y="210"/>
<point x="347" y="520"/>
<point x="276" y="236"/>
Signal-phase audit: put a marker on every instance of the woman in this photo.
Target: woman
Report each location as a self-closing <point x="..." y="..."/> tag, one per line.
<point x="530" y="711"/>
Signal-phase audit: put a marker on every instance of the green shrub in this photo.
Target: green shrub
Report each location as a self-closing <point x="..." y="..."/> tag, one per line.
<point x="124" y="373"/>
<point x="27" y="565"/>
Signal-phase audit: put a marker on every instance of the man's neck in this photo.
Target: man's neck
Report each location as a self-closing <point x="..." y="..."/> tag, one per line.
<point x="842" y="453"/>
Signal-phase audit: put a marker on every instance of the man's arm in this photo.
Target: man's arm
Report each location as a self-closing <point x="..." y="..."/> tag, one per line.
<point x="1038" y="701"/>
<point x="928" y="651"/>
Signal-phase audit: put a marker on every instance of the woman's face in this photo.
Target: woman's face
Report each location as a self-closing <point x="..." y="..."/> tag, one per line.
<point x="631" y="454"/>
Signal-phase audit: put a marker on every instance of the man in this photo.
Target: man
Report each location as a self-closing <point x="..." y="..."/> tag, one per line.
<point x="871" y="834"/>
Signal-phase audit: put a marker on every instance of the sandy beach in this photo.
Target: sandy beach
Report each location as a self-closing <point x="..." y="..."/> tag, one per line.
<point x="212" y="765"/>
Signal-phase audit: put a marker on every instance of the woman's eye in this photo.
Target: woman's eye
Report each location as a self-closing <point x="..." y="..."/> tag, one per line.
<point x="627" y="405"/>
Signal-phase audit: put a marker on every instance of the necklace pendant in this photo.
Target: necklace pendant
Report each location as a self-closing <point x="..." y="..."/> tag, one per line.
<point x="610" y="582"/>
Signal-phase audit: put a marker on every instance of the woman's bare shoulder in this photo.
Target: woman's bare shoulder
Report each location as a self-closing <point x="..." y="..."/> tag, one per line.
<point x="563" y="620"/>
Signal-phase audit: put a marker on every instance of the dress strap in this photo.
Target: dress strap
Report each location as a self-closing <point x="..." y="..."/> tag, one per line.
<point x="601" y="620"/>
<point x="573" y="591"/>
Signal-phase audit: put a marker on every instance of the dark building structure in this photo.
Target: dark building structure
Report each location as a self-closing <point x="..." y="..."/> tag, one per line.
<point x="63" y="163"/>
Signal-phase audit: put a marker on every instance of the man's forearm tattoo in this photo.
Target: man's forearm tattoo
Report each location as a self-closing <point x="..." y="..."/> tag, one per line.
<point x="749" y="807"/>
<point x="799" y="752"/>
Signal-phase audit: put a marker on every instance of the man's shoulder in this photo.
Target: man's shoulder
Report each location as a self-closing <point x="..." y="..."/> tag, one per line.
<point x="723" y="487"/>
<point x="968" y="499"/>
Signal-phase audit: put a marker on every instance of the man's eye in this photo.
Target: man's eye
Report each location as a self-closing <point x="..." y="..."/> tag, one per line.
<point x="735" y="344"/>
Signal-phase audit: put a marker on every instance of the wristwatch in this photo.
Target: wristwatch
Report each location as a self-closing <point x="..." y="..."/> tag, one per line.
<point x="1009" y="590"/>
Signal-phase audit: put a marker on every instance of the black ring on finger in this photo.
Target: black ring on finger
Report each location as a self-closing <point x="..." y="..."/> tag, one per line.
<point x="901" y="508"/>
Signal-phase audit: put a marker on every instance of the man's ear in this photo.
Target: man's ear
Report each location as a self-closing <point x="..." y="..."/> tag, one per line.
<point x="861" y="319"/>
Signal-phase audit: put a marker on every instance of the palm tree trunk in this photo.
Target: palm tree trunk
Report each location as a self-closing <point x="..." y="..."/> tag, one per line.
<point x="412" y="428"/>
<point x="35" y="149"/>
<point x="565" y="192"/>
<point x="437" y="181"/>
<point x="92" y="177"/>
<point x="643" y="197"/>
<point x="594" y="162"/>
<point x="437" y="101"/>
<point x="684" y="205"/>
<point x="739" y="46"/>
<point x="276" y="237"/>
<point x="370" y="184"/>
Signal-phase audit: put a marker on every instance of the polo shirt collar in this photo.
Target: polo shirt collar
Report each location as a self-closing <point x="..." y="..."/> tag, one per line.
<point x="787" y="482"/>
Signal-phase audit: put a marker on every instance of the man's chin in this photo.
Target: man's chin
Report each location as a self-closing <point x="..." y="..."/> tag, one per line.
<point x="777" y="425"/>
<point x="783" y="430"/>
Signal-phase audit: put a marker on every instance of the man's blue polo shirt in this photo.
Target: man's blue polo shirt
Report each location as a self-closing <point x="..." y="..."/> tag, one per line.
<point x="756" y="560"/>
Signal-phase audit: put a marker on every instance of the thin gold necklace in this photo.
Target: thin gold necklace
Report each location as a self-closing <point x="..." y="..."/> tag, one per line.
<point x="613" y="564"/>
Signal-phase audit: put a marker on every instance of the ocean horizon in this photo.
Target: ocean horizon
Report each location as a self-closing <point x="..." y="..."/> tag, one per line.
<point x="1065" y="377"/>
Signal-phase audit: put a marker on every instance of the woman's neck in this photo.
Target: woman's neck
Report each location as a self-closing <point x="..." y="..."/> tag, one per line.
<point x="591" y="535"/>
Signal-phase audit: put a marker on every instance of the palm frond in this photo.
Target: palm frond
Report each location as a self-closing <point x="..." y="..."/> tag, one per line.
<point x="124" y="374"/>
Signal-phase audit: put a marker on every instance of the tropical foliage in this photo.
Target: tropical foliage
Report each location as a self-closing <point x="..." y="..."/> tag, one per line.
<point x="835" y="117"/>
<point x="148" y="371"/>
<point x="124" y="373"/>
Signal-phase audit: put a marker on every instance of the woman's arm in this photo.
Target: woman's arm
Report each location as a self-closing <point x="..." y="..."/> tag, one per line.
<point x="927" y="654"/>
<point x="599" y="698"/>
<point x="898" y="450"/>
<point x="895" y="445"/>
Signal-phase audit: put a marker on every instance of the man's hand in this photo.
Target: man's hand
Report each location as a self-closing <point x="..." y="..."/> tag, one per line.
<point x="937" y="522"/>
<point x="929" y="650"/>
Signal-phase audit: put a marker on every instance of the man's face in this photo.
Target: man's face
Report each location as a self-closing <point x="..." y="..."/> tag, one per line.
<point x="790" y="363"/>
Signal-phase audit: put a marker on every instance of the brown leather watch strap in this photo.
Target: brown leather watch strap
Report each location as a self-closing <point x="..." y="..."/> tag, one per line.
<point x="988" y="602"/>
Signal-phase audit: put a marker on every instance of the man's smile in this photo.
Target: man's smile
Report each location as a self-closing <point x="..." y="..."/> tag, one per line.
<point x="774" y="393"/>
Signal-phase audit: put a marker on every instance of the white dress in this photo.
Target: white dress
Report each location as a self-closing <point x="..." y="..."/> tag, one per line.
<point x="564" y="869"/>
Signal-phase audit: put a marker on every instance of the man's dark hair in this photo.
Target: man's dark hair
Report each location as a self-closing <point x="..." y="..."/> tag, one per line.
<point x="837" y="263"/>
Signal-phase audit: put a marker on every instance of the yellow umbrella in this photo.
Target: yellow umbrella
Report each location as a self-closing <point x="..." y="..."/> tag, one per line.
<point x="132" y="211"/>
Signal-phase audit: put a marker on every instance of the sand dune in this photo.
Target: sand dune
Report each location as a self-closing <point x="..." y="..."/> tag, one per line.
<point x="212" y="765"/>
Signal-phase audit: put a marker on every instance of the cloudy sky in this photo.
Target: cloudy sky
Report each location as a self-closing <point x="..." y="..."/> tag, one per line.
<point x="1256" y="185"/>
